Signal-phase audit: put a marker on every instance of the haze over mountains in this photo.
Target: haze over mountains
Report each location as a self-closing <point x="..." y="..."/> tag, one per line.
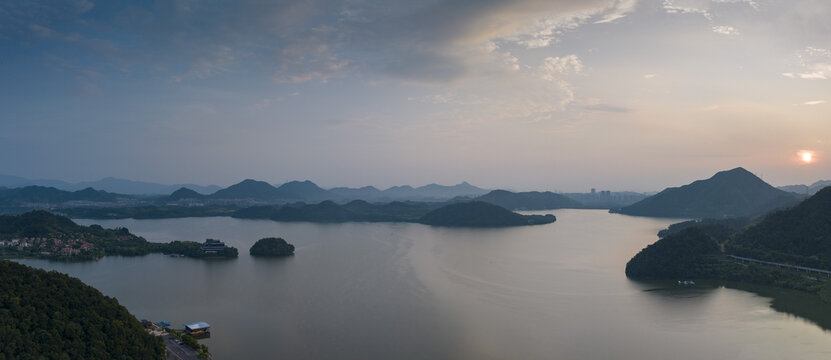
<point x="806" y="189"/>
<point x="730" y="193"/>
<point x="109" y="184"/>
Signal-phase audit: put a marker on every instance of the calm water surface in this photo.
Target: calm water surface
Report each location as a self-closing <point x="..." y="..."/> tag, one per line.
<point x="387" y="290"/>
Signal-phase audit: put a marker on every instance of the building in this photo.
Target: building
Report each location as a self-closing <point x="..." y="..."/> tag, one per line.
<point x="213" y="246"/>
<point x="198" y="328"/>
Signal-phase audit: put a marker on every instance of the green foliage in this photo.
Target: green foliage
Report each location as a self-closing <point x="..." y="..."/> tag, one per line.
<point x="53" y="316"/>
<point x="190" y="341"/>
<point x="801" y="235"/>
<point x="271" y="247"/>
<point x="480" y="214"/>
<point x="689" y="253"/>
<point x="38" y="223"/>
<point x="719" y="229"/>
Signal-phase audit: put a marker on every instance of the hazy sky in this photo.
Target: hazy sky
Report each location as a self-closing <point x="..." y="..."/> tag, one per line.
<point x="535" y="94"/>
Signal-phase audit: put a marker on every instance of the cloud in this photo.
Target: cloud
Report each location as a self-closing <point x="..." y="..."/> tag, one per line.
<point x="649" y="76"/>
<point x="814" y="102"/>
<point x="725" y="30"/>
<point x="607" y="108"/>
<point x="555" y="67"/>
<point x="815" y="63"/>
<point x="439" y="41"/>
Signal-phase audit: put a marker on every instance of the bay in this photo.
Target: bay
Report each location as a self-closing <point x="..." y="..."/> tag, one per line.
<point x="410" y="291"/>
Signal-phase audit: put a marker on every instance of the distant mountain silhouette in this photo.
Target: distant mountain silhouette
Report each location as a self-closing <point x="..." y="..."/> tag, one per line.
<point x="248" y="189"/>
<point x="531" y="200"/>
<point x="185" y="193"/>
<point x="364" y="193"/>
<point x="302" y="191"/>
<point x="804" y="231"/>
<point x="50" y="195"/>
<point x="807" y="189"/>
<point x="480" y="214"/>
<point x="731" y="193"/>
<point x="109" y="184"/>
<point x="431" y="192"/>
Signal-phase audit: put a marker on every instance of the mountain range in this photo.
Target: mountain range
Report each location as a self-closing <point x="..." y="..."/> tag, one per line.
<point x="109" y="184"/>
<point x="807" y="189"/>
<point x="531" y="200"/>
<point x="730" y="193"/>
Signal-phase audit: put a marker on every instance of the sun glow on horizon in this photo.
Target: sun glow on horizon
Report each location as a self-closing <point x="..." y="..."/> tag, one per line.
<point x="806" y="156"/>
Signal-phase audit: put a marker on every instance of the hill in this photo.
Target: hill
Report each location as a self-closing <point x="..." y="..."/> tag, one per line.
<point x="248" y="189"/>
<point x="271" y="247"/>
<point x="50" y="195"/>
<point x="807" y="189"/>
<point x="302" y="191"/>
<point x="431" y="192"/>
<point x="532" y="200"/>
<point x="328" y="211"/>
<point x="797" y="236"/>
<point x="480" y="214"/>
<point x="731" y="193"/>
<point x="109" y="184"/>
<point x="184" y="193"/>
<point x="681" y="255"/>
<point x="48" y="315"/>
<point x="800" y="235"/>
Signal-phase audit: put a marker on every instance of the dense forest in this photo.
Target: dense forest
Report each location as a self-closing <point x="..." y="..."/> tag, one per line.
<point x="48" y="315"/>
<point x="801" y="235"/>
<point x="688" y="253"/>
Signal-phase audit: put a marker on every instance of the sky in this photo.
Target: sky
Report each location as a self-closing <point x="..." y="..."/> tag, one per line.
<point x="560" y="95"/>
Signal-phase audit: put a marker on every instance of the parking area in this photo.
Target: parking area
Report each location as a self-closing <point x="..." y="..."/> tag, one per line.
<point x="180" y="351"/>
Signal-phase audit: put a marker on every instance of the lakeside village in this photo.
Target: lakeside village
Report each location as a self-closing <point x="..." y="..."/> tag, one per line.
<point x="84" y="246"/>
<point x="63" y="245"/>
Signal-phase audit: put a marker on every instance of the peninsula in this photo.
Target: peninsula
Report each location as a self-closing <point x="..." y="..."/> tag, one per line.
<point x="41" y="234"/>
<point x="787" y="248"/>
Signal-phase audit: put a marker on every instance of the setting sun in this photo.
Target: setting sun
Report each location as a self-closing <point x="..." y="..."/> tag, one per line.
<point x="806" y="156"/>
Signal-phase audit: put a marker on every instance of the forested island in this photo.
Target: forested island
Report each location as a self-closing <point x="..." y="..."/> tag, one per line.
<point x="271" y="247"/>
<point x="481" y="214"/>
<point x="49" y="315"/>
<point x="41" y="234"/>
<point x="800" y="236"/>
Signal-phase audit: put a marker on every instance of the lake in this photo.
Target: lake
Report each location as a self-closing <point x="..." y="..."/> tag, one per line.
<point x="410" y="291"/>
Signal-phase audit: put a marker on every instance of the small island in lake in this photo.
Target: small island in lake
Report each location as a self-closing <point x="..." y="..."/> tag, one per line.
<point x="271" y="247"/>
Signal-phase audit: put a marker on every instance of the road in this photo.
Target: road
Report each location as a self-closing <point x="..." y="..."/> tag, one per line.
<point x="181" y="352"/>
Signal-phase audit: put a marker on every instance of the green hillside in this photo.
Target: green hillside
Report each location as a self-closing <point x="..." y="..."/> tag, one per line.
<point x="48" y="315"/>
